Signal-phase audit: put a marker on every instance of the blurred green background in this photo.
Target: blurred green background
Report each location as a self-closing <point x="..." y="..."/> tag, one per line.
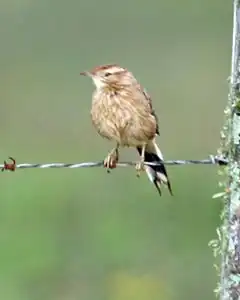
<point x="71" y="234"/>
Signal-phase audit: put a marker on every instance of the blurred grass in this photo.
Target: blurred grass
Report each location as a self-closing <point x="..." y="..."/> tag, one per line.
<point x="71" y="234"/>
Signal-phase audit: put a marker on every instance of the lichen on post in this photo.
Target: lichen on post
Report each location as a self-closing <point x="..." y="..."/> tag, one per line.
<point x="228" y="244"/>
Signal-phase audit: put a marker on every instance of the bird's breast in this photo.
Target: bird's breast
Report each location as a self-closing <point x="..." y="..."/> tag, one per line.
<point x="107" y="115"/>
<point x="116" y="118"/>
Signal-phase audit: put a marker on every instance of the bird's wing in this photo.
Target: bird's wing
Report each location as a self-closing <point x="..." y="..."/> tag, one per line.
<point x="148" y="98"/>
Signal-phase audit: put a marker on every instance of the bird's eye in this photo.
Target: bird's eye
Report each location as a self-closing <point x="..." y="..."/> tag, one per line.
<point x="107" y="74"/>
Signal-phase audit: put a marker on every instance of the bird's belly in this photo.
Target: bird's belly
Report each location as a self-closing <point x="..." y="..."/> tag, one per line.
<point x="139" y="130"/>
<point x="123" y="124"/>
<point x="105" y="121"/>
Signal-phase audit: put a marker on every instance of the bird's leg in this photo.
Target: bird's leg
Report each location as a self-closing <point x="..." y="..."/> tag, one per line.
<point x="110" y="162"/>
<point x="140" y="164"/>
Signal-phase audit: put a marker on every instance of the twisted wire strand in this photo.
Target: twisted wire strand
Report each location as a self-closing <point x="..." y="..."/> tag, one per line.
<point x="212" y="160"/>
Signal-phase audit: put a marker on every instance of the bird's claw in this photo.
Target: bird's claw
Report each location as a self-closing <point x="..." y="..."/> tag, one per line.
<point x="110" y="162"/>
<point x="9" y="166"/>
<point x="140" y="167"/>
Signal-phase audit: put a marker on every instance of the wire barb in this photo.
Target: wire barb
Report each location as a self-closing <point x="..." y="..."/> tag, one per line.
<point x="9" y="166"/>
<point x="212" y="160"/>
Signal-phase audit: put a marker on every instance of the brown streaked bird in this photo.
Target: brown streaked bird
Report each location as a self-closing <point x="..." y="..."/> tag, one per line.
<point x="122" y="112"/>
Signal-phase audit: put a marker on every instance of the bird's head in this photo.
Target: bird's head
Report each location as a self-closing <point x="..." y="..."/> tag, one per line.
<point x="110" y="76"/>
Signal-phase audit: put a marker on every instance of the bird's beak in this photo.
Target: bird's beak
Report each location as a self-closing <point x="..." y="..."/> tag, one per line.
<point x="85" y="73"/>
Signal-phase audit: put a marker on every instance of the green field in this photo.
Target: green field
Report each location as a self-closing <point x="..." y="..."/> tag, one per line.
<point x="69" y="234"/>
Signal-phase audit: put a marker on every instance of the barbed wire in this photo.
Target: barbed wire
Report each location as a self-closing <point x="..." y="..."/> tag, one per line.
<point x="212" y="160"/>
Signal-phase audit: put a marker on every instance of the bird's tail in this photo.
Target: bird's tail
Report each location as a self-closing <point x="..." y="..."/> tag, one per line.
<point x="157" y="174"/>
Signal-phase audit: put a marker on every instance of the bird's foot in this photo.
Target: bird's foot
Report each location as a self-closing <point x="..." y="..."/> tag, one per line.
<point x="140" y="167"/>
<point x="110" y="162"/>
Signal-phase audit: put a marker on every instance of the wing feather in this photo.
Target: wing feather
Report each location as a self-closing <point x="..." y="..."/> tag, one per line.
<point x="148" y="98"/>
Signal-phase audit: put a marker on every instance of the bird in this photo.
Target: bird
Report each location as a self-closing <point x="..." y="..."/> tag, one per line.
<point x="122" y="112"/>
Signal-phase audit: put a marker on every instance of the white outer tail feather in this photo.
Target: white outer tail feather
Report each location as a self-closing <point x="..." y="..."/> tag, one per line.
<point x="156" y="174"/>
<point x="153" y="148"/>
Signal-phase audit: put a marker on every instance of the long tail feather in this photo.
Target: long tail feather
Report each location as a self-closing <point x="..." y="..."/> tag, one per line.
<point x="156" y="174"/>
